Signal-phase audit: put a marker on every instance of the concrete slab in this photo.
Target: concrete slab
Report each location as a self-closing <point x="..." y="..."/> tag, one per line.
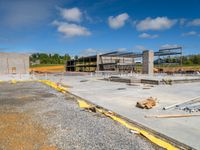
<point x="106" y="94"/>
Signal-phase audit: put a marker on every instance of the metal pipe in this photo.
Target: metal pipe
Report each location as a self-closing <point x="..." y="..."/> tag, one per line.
<point x="181" y="103"/>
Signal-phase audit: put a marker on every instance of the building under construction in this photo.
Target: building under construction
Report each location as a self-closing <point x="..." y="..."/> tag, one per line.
<point x="119" y="61"/>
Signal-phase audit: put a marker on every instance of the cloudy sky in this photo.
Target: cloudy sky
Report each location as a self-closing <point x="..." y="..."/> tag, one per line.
<point x="88" y="26"/>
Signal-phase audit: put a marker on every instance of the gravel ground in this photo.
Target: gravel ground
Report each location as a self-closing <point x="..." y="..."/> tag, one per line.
<point x="67" y="126"/>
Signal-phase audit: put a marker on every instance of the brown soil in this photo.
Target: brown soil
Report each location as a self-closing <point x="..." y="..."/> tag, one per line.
<point x="48" y="69"/>
<point x="19" y="132"/>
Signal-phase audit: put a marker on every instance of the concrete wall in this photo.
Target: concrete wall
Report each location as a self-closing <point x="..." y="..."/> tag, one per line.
<point x="14" y="63"/>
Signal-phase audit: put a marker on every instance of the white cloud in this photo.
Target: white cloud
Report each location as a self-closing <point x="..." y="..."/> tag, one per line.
<point x="71" y="14"/>
<point x="169" y="46"/>
<point x="159" y="23"/>
<point x="71" y="30"/>
<point x="191" y="33"/>
<point x="118" y="21"/>
<point x="195" y="22"/>
<point x="88" y="52"/>
<point x="148" y="36"/>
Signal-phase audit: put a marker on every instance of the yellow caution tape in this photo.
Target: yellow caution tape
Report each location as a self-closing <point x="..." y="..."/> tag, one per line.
<point x="53" y="85"/>
<point x="83" y="104"/>
<point x="161" y="143"/>
<point x="144" y="133"/>
<point x="13" y="81"/>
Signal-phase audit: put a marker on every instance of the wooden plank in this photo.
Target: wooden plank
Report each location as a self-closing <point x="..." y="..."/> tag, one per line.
<point x="171" y="116"/>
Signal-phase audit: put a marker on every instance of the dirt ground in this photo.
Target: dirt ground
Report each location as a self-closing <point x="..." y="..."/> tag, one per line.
<point x="33" y="116"/>
<point x="18" y="130"/>
<point x="48" y="69"/>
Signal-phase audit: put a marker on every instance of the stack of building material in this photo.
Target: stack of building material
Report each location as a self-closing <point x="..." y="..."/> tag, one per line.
<point x="147" y="104"/>
<point x="191" y="105"/>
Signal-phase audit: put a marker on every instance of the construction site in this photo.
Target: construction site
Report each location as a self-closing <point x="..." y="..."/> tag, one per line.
<point x="105" y="101"/>
<point x="99" y="75"/>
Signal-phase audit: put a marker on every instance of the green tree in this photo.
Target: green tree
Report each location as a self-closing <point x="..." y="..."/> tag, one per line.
<point x="44" y="58"/>
<point x="76" y="57"/>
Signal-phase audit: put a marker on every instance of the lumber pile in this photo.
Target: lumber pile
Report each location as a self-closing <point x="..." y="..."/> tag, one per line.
<point x="147" y="104"/>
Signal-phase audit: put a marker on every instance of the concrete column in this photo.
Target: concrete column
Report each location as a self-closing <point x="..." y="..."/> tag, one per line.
<point x="98" y="62"/>
<point x="148" y="62"/>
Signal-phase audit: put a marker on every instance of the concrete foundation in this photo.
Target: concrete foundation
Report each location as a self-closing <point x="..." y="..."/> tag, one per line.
<point x="108" y="95"/>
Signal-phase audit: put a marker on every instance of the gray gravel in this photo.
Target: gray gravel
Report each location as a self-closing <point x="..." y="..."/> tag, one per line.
<point x="70" y="127"/>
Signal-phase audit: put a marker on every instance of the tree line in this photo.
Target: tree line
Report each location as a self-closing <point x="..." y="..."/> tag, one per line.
<point x="61" y="59"/>
<point x="44" y="58"/>
<point x="186" y="60"/>
<point x="191" y="60"/>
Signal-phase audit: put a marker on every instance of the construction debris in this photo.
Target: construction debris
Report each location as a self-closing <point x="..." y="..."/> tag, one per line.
<point x="145" y="88"/>
<point x="83" y="80"/>
<point x="192" y="107"/>
<point x="182" y="104"/>
<point x="91" y="109"/>
<point x="134" y="132"/>
<point x="171" y="116"/>
<point x="167" y="81"/>
<point x="147" y="104"/>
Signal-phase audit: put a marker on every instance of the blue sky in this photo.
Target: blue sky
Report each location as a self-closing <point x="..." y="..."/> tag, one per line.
<point x="88" y="26"/>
